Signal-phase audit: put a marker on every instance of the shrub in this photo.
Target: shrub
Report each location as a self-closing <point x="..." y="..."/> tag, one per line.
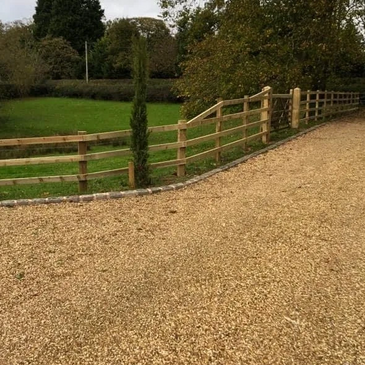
<point x="159" y="90"/>
<point x="9" y="91"/>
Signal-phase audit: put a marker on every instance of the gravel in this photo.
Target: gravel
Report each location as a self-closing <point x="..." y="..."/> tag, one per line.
<point x="260" y="264"/>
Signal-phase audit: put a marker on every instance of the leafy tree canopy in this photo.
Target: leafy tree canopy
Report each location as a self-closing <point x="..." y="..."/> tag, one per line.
<point x="76" y="21"/>
<point x="283" y="43"/>
<point x="161" y="46"/>
<point x="111" y="56"/>
<point x="20" y="63"/>
<point x="59" y="56"/>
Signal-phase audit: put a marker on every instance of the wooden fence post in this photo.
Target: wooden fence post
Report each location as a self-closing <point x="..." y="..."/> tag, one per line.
<point x="246" y="108"/>
<point x="218" y="128"/>
<point x="181" y="152"/>
<point x="266" y="115"/>
<point x="82" y="150"/>
<point x="131" y="176"/>
<point x="339" y="102"/>
<point x="324" y="106"/>
<point x="343" y="102"/>
<point x="331" y="107"/>
<point x="307" y="106"/>
<point x="295" y="108"/>
<point x="291" y="92"/>
<point x="317" y="105"/>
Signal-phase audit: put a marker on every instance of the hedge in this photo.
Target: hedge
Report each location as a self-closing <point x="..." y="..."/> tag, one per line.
<point x="159" y="90"/>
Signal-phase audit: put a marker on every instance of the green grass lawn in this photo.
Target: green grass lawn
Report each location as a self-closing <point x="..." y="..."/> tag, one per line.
<point x="58" y="116"/>
<point x="61" y="116"/>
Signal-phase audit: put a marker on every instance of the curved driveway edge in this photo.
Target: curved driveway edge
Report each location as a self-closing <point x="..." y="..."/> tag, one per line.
<point x="153" y="190"/>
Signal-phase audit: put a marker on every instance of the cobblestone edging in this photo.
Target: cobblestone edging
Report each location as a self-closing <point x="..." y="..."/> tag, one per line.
<point x="148" y="191"/>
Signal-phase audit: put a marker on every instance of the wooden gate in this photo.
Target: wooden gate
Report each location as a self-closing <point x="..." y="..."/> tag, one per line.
<point x="281" y="111"/>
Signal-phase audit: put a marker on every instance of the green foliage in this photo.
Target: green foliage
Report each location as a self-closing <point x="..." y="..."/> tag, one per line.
<point x="319" y="37"/>
<point x="111" y="56"/>
<point x="250" y="44"/>
<point x="192" y="27"/>
<point x="42" y="18"/>
<point x="138" y="122"/>
<point x="161" y="46"/>
<point x="59" y="56"/>
<point x="162" y="58"/>
<point x="100" y="65"/>
<point x="20" y="64"/>
<point x="119" y="36"/>
<point x="76" y="21"/>
<point x="9" y="91"/>
<point x="158" y="90"/>
<point x="150" y="28"/>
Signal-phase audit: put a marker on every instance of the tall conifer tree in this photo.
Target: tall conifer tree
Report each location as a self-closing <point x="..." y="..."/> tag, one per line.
<point x="138" y="121"/>
<point x="76" y="21"/>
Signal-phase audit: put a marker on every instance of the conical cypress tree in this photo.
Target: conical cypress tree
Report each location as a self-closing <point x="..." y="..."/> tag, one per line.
<point x="138" y="121"/>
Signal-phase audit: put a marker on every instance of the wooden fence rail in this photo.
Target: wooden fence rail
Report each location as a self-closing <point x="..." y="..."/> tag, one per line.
<point x="243" y="119"/>
<point x="314" y="105"/>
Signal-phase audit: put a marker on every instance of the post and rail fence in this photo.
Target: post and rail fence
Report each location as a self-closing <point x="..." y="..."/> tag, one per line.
<point x="248" y="118"/>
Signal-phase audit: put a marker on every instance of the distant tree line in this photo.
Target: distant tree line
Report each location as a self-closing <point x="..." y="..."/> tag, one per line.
<point x="52" y="46"/>
<point x="224" y="48"/>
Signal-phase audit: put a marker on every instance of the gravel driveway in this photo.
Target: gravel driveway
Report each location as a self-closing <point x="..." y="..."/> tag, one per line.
<point x="261" y="264"/>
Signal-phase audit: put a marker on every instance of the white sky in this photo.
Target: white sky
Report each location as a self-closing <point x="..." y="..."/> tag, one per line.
<point x="11" y="10"/>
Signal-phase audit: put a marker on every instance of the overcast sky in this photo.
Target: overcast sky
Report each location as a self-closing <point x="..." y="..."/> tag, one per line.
<point x="11" y="10"/>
